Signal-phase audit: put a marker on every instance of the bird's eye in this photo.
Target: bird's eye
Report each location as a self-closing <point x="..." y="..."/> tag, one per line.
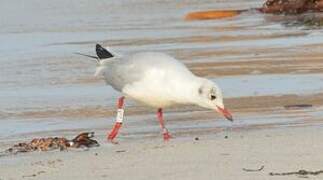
<point x="213" y="97"/>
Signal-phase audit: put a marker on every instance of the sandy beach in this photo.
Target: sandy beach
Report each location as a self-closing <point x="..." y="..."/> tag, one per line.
<point x="219" y="156"/>
<point x="263" y="63"/>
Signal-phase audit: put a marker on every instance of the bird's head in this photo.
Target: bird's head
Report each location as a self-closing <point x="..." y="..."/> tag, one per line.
<point x="210" y="97"/>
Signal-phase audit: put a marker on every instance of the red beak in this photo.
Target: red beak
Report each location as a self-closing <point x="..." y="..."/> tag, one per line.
<point x="225" y="113"/>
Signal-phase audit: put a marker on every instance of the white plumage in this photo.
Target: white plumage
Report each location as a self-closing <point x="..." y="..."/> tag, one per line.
<point x="159" y="80"/>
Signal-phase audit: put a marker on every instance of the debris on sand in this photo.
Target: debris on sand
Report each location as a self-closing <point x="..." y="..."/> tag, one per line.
<point x="287" y="7"/>
<point x="254" y="170"/>
<point x="120" y="151"/>
<point x="204" y="15"/>
<point x="300" y="172"/>
<point x="83" y="140"/>
<point x="33" y="175"/>
<point x="292" y="6"/>
<point x="298" y="106"/>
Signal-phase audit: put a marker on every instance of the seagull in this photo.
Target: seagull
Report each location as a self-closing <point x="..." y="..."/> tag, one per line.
<point x="157" y="80"/>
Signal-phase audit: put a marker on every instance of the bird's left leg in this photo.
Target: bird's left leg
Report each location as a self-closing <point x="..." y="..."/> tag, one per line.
<point x="119" y="119"/>
<point x="160" y="117"/>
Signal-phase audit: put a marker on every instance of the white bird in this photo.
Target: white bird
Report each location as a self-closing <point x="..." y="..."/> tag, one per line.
<point x="157" y="80"/>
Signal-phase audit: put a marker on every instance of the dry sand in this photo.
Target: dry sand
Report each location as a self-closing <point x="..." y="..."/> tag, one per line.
<point x="215" y="157"/>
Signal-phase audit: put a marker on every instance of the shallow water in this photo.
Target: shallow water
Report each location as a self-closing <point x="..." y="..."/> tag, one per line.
<point x="39" y="70"/>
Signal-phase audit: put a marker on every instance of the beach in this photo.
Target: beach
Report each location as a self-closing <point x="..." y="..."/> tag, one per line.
<point x="263" y="63"/>
<point x="222" y="155"/>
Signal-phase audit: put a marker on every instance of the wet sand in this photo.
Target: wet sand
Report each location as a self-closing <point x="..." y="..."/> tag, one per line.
<point x="262" y="63"/>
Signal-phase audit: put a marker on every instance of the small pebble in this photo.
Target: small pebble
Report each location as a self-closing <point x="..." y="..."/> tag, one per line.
<point x="196" y="138"/>
<point x="225" y="137"/>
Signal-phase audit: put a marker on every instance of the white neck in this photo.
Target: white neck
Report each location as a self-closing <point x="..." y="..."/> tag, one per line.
<point x="187" y="92"/>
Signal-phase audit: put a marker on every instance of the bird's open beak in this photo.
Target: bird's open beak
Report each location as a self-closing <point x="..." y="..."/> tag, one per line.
<point x="225" y="113"/>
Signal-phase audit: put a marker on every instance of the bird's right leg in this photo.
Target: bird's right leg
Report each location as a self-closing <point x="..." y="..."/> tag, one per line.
<point x="160" y="117"/>
<point x="119" y="119"/>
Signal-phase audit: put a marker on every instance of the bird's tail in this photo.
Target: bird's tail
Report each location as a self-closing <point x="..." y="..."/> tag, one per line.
<point x="101" y="53"/>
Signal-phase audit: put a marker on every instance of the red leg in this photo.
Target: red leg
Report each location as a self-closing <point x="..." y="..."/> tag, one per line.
<point x="166" y="134"/>
<point x="119" y="119"/>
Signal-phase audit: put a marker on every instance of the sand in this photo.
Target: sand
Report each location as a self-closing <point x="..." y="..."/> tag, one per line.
<point x="221" y="156"/>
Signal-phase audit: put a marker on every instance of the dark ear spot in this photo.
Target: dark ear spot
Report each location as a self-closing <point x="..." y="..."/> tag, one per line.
<point x="200" y="90"/>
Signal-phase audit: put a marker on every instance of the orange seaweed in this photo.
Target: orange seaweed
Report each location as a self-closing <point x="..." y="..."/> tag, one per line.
<point x="214" y="14"/>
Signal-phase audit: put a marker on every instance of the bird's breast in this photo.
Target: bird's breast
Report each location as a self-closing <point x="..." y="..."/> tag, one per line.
<point x="155" y="96"/>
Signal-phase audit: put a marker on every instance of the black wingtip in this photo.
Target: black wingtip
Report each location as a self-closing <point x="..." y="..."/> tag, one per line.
<point x="102" y="53"/>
